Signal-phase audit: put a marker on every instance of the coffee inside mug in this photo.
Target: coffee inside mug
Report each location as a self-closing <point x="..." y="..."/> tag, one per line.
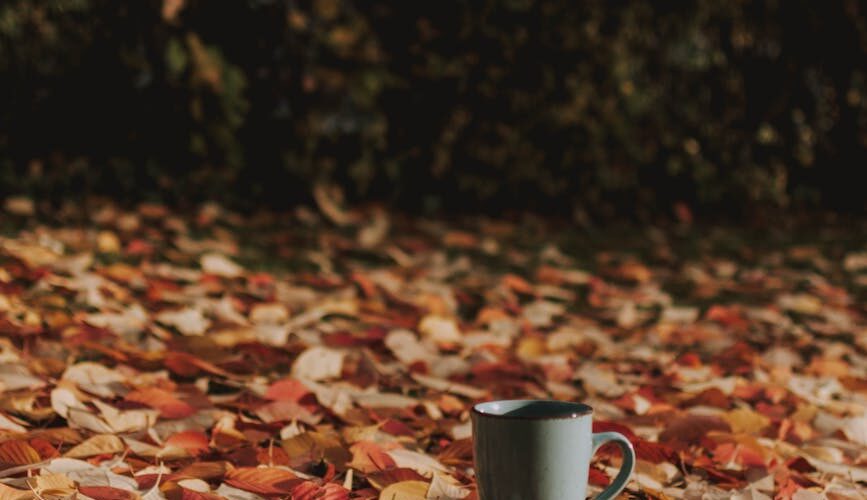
<point x="532" y="409"/>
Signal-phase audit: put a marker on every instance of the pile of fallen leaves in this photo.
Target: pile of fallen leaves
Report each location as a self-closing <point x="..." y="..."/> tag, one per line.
<point x="335" y="354"/>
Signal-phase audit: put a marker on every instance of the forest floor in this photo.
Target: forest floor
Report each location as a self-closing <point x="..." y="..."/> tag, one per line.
<point x="330" y="353"/>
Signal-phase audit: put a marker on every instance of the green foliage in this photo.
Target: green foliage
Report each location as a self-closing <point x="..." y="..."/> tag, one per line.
<point x="601" y="104"/>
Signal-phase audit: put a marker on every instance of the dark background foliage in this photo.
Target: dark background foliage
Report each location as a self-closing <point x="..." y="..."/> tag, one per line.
<point x="602" y="106"/>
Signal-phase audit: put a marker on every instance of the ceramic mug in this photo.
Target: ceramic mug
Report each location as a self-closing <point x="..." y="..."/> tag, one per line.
<point x="540" y="450"/>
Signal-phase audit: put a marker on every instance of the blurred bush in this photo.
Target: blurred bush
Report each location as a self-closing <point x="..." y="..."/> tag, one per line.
<point x="601" y="105"/>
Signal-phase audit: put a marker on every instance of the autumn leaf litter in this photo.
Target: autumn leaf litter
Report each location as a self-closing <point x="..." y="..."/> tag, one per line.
<point x="336" y="353"/>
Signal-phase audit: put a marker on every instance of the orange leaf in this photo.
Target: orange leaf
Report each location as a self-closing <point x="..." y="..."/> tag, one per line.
<point x="518" y="284"/>
<point x="309" y="490"/>
<point x="368" y="457"/>
<point x="287" y="389"/>
<point x="280" y="411"/>
<point x="44" y="448"/>
<point x="17" y="453"/>
<point x="194" y="442"/>
<point x="263" y="480"/>
<point x="165" y="402"/>
<point x="204" y="470"/>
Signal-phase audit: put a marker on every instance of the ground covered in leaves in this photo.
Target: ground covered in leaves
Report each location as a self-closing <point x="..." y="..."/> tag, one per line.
<point x="334" y="354"/>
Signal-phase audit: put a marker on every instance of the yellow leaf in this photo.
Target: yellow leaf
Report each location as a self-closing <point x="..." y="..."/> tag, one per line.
<point x="7" y="493"/>
<point x="101" y="444"/>
<point x="108" y="242"/>
<point x="745" y="420"/>
<point x="54" y="486"/>
<point x="530" y="348"/>
<point x="405" y="490"/>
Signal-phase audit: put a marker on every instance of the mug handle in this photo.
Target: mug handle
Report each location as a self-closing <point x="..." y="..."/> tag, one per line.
<point x="626" y="469"/>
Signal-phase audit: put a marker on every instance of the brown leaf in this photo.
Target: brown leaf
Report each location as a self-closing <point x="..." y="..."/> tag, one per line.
<point x="691" y="428"/>
<point x="108" y="493"/>
<point x="314" y="446"/>
<point x="208" y="471"/>
<point x="459" y="451"/>
<point x="383" y="479"/>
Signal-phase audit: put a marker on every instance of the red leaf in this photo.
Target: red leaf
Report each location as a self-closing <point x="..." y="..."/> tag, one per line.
<point x="653" y="452"/>
<point x="800" y="464"/>
<point x="598" y="478"/>
<point x="604" y="426"/>
<point x="396" y="428"/>
<point x="44" y="448"/>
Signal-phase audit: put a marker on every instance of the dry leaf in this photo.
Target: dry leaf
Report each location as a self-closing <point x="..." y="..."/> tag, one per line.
<point x="405" y="490"/>
<point x="266" y="481"/>
<point x="440" y="329"/>
<point x="220" y="265"/>
<point x="188" y="321"/>
<point x="744" y="420"/>
<point x="319" y="363"/>
<point x="14" y="452"/>
<point x="103" y="444"/>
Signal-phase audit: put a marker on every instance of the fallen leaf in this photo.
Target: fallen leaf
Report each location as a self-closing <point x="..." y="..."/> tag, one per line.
<point x="220" y="265"/>
<point x="405" y="490"/>
<point x="15" y="452"/>
<point x="267" y="481"/>
<point x="103" y="444"/>
<point x="165" y="402"/>
<point x="188" y="321"/>
<point x="747" y="421"/>
<point x="193" y="442"/>
<point x="319" y="363"/>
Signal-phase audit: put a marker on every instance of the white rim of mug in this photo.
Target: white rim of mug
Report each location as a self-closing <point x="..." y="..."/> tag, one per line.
<point x="581" y="410"/>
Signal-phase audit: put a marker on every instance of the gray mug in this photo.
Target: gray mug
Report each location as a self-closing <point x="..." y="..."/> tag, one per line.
<point x="540" y="450"/>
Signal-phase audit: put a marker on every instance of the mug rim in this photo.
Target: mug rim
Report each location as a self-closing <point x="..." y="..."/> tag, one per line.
<point x="581" y="410"/>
